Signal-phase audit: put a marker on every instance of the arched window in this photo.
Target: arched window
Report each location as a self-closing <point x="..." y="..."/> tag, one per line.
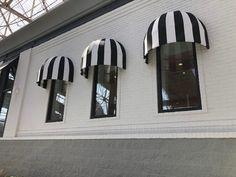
<point x="58" y="71"/>
<point x="173" y="35"/>
<point x="106" y="55"/>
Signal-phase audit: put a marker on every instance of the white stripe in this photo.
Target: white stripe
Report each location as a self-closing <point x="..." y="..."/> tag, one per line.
<point x="170" y="27"/>
<point x="66" y="70"/>
<point x="188" y="28"/>
<point x="145" y="46"/>
<point x="45" y="69"/>
<point x="84" y="58"/>
<point x="202" y="33"/>
<point x="38" y="76"/>
<point x="107" y="52"/>
<point x="55" y="68"/>
<point x="119" y="55"/>
<point x="94" y="58"/>
<point x="155" y="35"/>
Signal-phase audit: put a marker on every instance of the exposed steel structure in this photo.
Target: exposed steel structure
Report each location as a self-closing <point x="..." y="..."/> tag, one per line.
<point x="14" y="14"/>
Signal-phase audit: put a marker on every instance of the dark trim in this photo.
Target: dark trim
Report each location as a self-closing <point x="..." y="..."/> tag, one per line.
<point x="159" y="83"/>
<point x="93" y="99"/>
<point x="76" y="23"/>
<point x="50" y="101"/>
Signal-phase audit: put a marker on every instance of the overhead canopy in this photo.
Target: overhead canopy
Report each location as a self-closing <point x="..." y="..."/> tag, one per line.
<point x="4" y="64"/>
<point x="103" y="52"/>
<point x="175" y="26"/>
<point x="55" y="68"/>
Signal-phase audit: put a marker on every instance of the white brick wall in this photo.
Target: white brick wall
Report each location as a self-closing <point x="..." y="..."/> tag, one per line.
<point x="137" y="113"/>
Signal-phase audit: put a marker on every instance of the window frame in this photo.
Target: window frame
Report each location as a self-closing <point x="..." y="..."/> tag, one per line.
<point x="4" y="74"/>
<point x="159" y="84"/>
<point x="50" y="101"/>
<point x="93" y="96"/>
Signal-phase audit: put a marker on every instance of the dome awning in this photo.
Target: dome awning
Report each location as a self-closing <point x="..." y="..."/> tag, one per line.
<point x="103" y="52"/>
<point x="175" y="26"/>
<point x="55" y="68"/>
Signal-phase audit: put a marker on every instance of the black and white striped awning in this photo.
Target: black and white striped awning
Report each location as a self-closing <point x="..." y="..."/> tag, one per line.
<point x="55" y="68"/>
<point x="103" y="52"/>
<point x="176" y="26"/>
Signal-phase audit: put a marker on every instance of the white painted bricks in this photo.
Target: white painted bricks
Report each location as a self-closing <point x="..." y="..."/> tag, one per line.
<point x="137" y="110"/>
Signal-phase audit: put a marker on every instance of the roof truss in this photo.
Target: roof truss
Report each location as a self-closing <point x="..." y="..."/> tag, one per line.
<point x="17" y="13"/>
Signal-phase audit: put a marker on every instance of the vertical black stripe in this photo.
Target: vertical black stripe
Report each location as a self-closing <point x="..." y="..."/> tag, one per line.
<point x="45" y="83"/>
<point x="124" y="55"/>
<point x="179" y="26"/>
<point x="71" y="71"/>
<point x="196" y="31"/>
<point x="206" y="36"/>
<point x="50" y="68"/>
<point x="101" y="52"/>
<point x="40" y="75"/>
<point x="86" y="70"/>
<point x="61" y="68"/>
<point x="114" y="56"/>
<point x="162" y="29"/>
<point x="89" y="56"/>
<point x="149" y="35"/>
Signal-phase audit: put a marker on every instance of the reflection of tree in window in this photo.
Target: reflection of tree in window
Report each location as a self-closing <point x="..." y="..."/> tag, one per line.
<point x="102" y="98"/>
<point x="104" y="92"/>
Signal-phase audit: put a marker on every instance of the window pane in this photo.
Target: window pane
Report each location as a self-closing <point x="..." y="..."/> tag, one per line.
<point x="7" y="82"/>
<point x="179" y="89"/>
<point x="4" y="109"/>
<point x="57" y="101"/>
<point x="104" y="91"/>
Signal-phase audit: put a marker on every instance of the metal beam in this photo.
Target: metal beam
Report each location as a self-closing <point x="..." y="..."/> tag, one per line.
<point x="5" y="20"/>
<point x="6" y="7"/>
<point x="45" y="6"/>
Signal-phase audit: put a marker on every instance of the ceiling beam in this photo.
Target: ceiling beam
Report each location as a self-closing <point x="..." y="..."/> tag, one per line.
<point x="6" y="7"/>
<point x="5" y="20"/>
<point x="45" y="6"/>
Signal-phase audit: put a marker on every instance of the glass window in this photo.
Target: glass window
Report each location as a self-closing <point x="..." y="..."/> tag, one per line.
<point x="104" y="95"/>
<point x="7" y="78"/>
<point x="57" y="100"/>
<point x="177" y="73"/>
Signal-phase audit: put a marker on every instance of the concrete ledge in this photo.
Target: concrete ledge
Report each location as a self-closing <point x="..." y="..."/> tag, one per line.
<point x="120" y="158"/>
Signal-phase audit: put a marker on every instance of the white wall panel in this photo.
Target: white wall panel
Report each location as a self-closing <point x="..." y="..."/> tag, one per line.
<point x="137" y="85"/>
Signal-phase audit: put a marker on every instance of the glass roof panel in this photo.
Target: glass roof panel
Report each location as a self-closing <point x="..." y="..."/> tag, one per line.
<point x="14" y="14"/>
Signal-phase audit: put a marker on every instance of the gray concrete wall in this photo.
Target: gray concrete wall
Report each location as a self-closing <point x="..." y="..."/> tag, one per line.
<point x="120" y="158"/>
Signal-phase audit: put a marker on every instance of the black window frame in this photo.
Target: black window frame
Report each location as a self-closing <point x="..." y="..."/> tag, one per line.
<point x="50" y="102"/>
<point x="93" y="99"/>
<point x="3" y="85"/>
<point x="159" y="83"/>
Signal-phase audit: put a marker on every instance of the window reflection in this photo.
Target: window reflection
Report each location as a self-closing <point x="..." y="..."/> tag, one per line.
<point x="178" y="78"/>
<point x="7" y="77"/>
<point x="60" y="98"/>
<point x="104" y="92"/>
<point x="57" y="101"/>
